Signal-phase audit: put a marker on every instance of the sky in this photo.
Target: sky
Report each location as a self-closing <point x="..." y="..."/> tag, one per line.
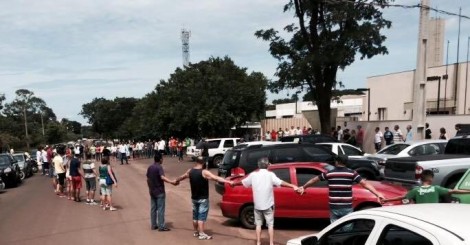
<point x="69" y="52"/>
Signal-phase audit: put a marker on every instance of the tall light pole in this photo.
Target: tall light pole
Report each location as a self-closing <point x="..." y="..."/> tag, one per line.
<point x="466" y="80"/>
<point x="368" y="100"/>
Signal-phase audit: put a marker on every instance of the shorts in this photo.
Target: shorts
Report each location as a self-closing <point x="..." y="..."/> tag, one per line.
<point x="61" y="178"/>
<point x="200" y="209"/>
<point x="90" y="184"/>
<point x="76" y="182"/>
<point x="267" y="215"/>
<point x="106" y="190"/>
<point x="378" y="146"/>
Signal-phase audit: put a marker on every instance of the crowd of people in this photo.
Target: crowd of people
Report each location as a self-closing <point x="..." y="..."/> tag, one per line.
<point x="68" y="168"/>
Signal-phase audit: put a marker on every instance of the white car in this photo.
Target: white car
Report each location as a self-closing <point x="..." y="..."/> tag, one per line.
<point x="216" y="148"/>
<point x="344" y="149"/>
<point x="408" y="149"/>
<point x="415" y="224"/>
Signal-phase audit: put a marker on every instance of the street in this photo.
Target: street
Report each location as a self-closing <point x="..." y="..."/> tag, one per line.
<point x="33" y="214"/>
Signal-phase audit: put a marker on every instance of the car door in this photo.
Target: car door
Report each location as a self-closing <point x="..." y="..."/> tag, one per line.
<point x="356" y="231"/>
<point x="351" y="151"/>
<point x="213" y="147"/>
<point x="314" y="202"/>
<point x="284" y="197"/>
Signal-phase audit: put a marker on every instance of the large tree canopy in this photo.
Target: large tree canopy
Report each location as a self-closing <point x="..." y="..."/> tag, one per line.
<point x="107" y="116"/>
<point x="204" y="99"/>
<point x="326" y="37"/>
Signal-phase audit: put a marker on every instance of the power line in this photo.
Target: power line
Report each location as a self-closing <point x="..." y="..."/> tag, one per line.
<point x="398" y="6"/>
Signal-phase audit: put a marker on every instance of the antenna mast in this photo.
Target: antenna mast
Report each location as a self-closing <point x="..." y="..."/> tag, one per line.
<point x="185" y="34"/>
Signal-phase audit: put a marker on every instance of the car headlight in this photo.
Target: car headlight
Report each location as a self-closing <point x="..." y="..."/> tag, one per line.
<point x="7" y="170"/>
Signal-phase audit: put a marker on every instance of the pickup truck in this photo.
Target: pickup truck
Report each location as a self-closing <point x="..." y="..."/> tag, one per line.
<point x="448" y="168"/>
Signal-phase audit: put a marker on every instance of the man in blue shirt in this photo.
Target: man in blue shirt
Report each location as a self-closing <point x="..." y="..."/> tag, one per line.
<point x="156" y="182"/>
<point x="409" y="134"/>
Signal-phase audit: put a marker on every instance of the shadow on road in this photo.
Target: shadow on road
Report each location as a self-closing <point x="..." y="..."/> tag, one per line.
<point x="289" y="224"/>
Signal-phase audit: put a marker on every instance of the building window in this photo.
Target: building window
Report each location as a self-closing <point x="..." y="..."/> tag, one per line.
<point x="382" y="114"/>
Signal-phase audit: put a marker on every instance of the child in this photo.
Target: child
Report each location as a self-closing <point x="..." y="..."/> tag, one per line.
<point x="427" y="193"/>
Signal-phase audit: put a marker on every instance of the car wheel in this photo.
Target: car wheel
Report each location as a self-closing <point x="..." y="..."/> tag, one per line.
<point x="247" y="217"/>
<point x="217" y="161"/>
<point x="22" y="175"/>
<point x="35" y="169"/>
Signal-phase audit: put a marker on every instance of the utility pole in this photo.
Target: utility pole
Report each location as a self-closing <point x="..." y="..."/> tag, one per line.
<point x="456" y="85"/>
<point x="420" y="76"/>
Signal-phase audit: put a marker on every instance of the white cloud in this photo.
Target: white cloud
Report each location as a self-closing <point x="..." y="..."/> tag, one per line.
<point x="94" y="48"/>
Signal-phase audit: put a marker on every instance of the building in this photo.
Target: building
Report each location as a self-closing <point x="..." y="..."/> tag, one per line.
<point x="305" y="114"/>
<point x="446" y="92"/>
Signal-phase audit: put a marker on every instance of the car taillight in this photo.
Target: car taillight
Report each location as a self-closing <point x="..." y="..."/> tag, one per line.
<point x="418" y="172"/>
<point x="237" y="172"/>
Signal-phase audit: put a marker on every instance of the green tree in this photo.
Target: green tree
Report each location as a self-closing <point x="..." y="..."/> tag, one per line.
<point x="107" y="116"/>
<point x="326" y="38"/>
<point x="204" y="99"/>
<point x="25" y="103"/>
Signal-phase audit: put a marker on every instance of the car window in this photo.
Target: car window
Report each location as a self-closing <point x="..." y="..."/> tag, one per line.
<point x="4" y="161"/>
<point x="213" y="144"/>
<point x="19" y="158"/>
<point x="289" y="139"/>
<point x="351" y="151"/>
<point x="425" y="149"/>
<point x="253" y="157"/>
<point x="328" y="147"/>
<point x="458" y="146"/>
<point x="230" y="158"/>
<point x="306" y="174"/>
<point x="289" y="154"/>
<point x="350" y="232"/>
<point x="317" y="154"/>
<point x="228" y="144"/>
<point x="396" y="235"/>
<point x="283" y="174"/>
<point x="393" y="149"/>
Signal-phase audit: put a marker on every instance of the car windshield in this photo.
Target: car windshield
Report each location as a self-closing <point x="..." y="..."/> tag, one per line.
<point x="19" y="158"/>
<point x="393" y="149"/>
<point x="4" y="161"/>
<point x="230" y="158"/>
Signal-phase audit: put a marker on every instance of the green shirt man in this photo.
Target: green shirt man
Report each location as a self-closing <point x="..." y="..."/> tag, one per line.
<point x="427" y="194"/>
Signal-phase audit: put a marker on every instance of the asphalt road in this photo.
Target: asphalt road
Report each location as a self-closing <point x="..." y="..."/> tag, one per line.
<point x="33" y="214"/>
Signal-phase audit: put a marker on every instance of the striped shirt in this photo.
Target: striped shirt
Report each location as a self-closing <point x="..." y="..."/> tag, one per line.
<point x="340" y="182"/>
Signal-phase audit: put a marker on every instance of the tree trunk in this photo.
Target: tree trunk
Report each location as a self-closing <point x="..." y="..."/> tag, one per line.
<point x="324" y="111"/>
<point x="26" y="128"/>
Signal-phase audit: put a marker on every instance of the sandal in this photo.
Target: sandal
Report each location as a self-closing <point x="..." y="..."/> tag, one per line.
<point x="112" y="209"/>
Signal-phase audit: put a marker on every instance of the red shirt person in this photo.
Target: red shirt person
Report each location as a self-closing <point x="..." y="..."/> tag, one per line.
<point x="273" y="135"/>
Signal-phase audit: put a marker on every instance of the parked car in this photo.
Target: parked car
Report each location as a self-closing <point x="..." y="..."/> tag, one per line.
<point x="237" y="202"/>
<point x="310" y="138"/>
<point x="243" y="160"/>
<point x="463" y="184"/>
<point x="217" y="149"/>
<point x="26" y="167"/>
<point x="9" y="170"/>
<point x="448" y="168"/>
<point x="415" y="148"/>
<point x="421" y="224"/>
<point x="344" y="149"/>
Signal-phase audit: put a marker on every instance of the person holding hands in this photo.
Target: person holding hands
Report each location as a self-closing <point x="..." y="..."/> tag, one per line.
<point x="340" y="182"/>
<point x="262" y="182"/>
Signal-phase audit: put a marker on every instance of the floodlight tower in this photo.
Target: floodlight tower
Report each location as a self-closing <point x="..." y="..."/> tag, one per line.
<point x="185" y="34"/>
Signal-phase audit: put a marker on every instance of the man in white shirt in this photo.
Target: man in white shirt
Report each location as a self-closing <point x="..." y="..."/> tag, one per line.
<point x="378" y="139"/>
<point x="161" y="146"/>
<point x="122" y="153"/>
<point x="262" y="182"/>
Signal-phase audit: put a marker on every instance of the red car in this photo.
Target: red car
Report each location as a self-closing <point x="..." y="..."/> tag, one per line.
<point x="237" y="202"/>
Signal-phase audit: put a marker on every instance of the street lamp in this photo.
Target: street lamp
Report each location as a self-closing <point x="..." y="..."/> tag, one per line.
<point x="436" y="78"/>
<point x="368" y="100"/>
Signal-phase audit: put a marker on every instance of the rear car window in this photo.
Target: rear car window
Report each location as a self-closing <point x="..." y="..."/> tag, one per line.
<point x="290" y="154"/>
<point x="231" y="158"/>
<point x="393" y="234"/>
<point x="458" y="146"/>
<point x="252" y="159"/>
